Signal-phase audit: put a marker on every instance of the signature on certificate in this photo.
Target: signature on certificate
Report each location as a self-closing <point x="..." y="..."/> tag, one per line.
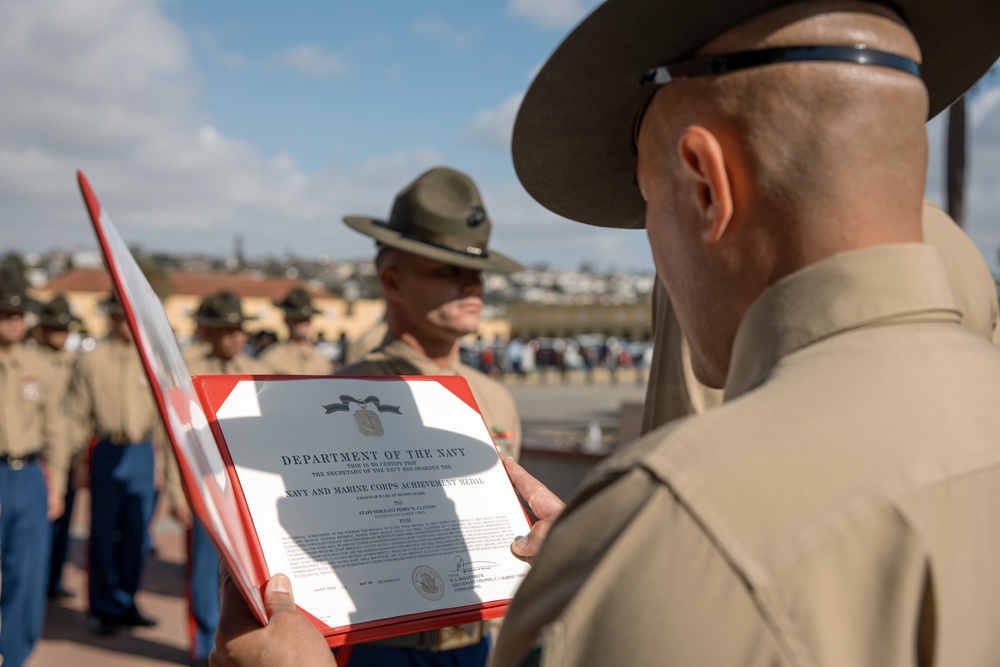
<point x="461" y="565"/>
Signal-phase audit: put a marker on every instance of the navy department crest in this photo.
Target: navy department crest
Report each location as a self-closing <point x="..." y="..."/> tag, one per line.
<point x="367" y="421"/>
<point x="427" y="582"/>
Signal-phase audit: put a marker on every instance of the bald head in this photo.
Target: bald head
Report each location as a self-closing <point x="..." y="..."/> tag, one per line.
<point x="751" y="175"/>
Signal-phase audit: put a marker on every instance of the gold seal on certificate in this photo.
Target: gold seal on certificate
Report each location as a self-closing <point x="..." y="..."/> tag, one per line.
<point x="428" y="583"/>
<point x="368" y="422"/>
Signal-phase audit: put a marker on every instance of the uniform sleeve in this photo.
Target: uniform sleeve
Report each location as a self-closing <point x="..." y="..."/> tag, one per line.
<point x="55" y="444"/>
<point x="172" y="485"/>
<point x="79" y="404"/>
<point x="627" y="577"/>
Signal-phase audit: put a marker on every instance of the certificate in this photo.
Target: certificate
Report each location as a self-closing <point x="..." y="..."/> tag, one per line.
<point x="383" y="499"/>
<point x="385" y="496"/>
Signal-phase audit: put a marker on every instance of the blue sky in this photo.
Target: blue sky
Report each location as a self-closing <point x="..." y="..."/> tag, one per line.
<point x="198" y="121"/>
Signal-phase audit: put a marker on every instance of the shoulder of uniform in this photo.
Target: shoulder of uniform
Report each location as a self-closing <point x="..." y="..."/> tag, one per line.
<point x="373" y="363"/>
<point x="484" y="381"/>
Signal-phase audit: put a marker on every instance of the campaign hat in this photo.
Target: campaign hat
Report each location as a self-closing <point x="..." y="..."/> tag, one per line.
<point x="573" y="144"/>
<point x="297" y="304"/>
<point x="221" y="309"/>
<point x="440" y="216"/>
<point x="56" y="314"/>
<point x="13" y="298"/>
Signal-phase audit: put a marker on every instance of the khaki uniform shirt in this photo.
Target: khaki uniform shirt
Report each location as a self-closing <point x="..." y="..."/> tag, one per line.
<point x="110" y="397"/>
<point x="291" y="358"/>
<point x="61" y="362"/>
<point x="394" y="357"/>
<point x="31" y="419"/>
<point x="838" y="509"/>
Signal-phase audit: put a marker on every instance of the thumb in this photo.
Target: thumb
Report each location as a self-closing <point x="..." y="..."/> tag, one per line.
<point x="278" y="595"/>
<point x="527" y="547"/>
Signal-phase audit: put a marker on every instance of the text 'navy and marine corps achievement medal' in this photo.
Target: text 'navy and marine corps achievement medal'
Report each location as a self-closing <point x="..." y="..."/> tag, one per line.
<point x="368" y="421"/>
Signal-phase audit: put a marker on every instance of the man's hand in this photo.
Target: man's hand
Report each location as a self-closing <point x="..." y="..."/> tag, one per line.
<point x="288" y="639"/>
<point x="545" y="505"/>
<point x="56" y="506"/>
<point x="182" y="514"/>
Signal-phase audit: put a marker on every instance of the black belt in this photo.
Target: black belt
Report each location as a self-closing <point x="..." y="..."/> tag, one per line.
<point x="444" y="639"/>
<point x="17" y="462"/>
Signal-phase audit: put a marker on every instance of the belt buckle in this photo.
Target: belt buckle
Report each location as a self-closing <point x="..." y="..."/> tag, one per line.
<point x="460" y="636"/>
<point x="15" y="463"/>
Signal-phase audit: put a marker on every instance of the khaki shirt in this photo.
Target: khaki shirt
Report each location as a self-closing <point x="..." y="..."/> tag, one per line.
<point x="31" y="419"/>
<point x="838" y="509"/>
<point x="291" y="358"/>
<point x="110" y="398"/>
<point x="61" y="362"/>
<point x="394" y="357"/>
<point x="207" y="364"/>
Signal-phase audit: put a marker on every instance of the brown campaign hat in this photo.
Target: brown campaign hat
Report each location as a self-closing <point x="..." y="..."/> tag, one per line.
<point x="221" y="309"/>
<point x="573" y="144"/>
<point x="297" y="304"/>
<point x="13" y="298"/>
<point x="56" y="314"/>
<point x="439" y="216"/>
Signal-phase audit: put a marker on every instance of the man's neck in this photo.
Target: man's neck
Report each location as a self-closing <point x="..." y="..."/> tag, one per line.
<point x="442" y="353"/>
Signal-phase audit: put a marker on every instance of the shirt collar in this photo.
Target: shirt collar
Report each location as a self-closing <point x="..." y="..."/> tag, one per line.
<point x="847" y="291"/>
<point x="396" y="347"/>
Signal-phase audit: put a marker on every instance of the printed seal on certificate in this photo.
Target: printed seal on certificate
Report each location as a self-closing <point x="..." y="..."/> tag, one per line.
<point x="427" y="582"/>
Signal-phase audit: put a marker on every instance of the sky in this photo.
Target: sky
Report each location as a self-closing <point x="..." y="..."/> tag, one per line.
<point x="199" y="121"/>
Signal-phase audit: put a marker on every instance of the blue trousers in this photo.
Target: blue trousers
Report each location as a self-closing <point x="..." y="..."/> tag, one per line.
<point x="60" y="538"/>
<point x="121" y="507"/>
<point x="366" y="655"/>
<point x="203" y="591"/>
<point x="25" y="537"/>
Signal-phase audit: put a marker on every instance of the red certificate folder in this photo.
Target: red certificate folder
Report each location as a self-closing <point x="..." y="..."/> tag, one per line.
<point x="382" y="498"/>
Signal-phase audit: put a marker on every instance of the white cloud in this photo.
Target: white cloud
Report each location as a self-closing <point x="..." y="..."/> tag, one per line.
<point x="551" y="13"/>
<point x="109" y="88"/>
<point x="438" y="29"/>
<point x="314" y="60"/>
<point x="492" y="128"/>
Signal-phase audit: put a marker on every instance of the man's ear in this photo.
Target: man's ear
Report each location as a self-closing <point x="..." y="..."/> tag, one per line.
<point x="703" y="160"/>
<point x="388" y="280"/>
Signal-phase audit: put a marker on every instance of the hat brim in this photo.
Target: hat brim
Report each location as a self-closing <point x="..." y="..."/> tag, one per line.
<point x="573" y="144"/>
<point x="295" y="313"/>
<point x="492" y="261"/>
<point x="24" y="304"/>
<point x="215" y="322"/>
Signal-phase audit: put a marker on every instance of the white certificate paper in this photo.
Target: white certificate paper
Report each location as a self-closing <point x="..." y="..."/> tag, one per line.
<point x="380" y="498"/>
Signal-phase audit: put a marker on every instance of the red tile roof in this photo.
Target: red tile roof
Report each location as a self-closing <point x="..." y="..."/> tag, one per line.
<point x="194" y="283"/>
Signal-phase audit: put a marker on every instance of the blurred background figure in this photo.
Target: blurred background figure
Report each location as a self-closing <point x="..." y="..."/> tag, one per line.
<point x="31" y="431"/>
<point x="50" y="336"/>
<point x="111" y="409"/>
<point x="297" y="355"/>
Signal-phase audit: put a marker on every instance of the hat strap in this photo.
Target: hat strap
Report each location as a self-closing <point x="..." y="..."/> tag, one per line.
<point x="449" y="243"/>
<point x="858" y="54"/>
